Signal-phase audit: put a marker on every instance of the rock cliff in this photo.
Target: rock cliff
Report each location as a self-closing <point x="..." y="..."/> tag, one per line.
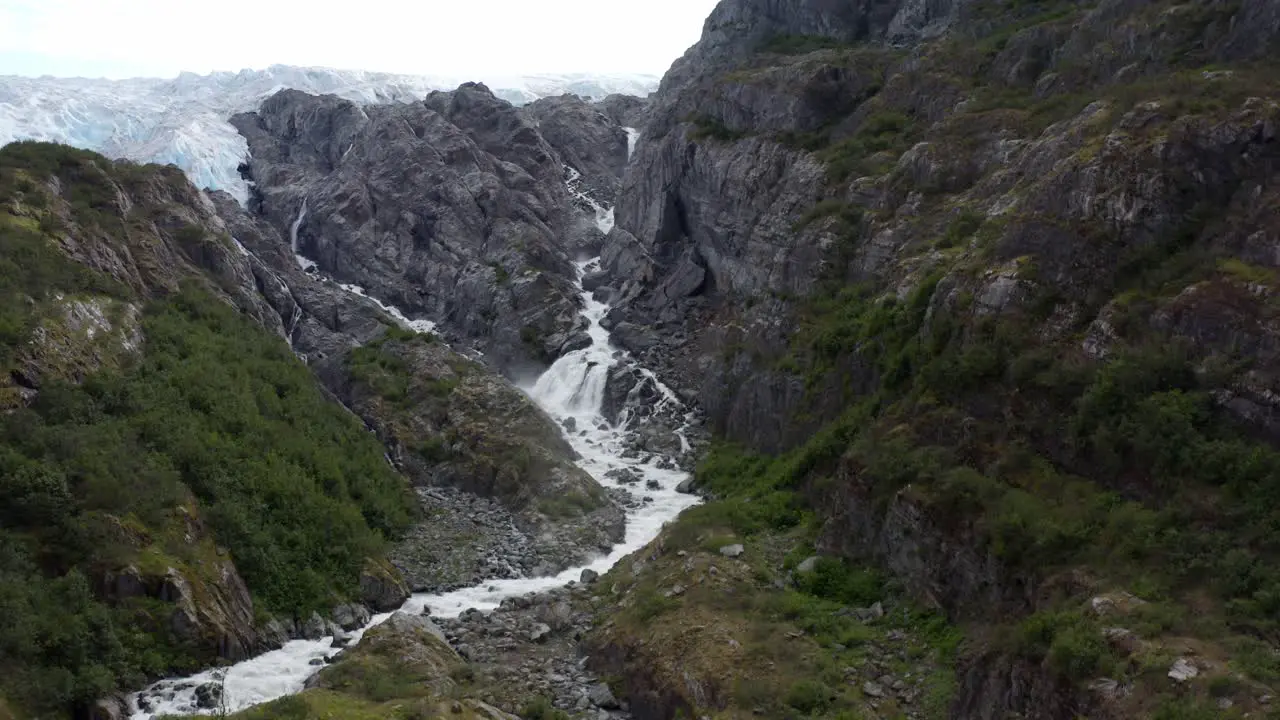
<point x="907" y="249"/>
<point x="455" y="208"/>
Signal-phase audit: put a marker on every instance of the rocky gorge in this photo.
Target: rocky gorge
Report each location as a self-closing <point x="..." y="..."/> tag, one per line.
<point x="957" y="316"/>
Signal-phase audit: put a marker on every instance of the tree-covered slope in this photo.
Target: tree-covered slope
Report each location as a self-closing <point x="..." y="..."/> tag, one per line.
<point x="170" y="473"/>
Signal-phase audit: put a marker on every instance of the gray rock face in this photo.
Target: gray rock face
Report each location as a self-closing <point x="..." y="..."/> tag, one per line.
<point x="351" y="616"/>
<point x="628" y="111"/>
<point x="587" y="138"/>
<point x="452" y="208"/>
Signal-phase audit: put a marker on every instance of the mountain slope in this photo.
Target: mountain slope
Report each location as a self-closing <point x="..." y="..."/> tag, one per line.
<point x="987" y="288"/>
<point x="177" y="487"/>
<point x="159" y="443"/>
<point x="183" y="121"/>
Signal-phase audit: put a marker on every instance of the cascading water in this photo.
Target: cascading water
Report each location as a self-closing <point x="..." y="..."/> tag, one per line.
<point x="573" y="387"/>
<point x="604" y="215"/>
<point x="632" y="136"/>
<point x="304" y="263"/>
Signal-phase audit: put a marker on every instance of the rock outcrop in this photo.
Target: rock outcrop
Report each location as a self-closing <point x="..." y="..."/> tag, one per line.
<point x="587" y="138"/>
<point x="775" y="102"/>
<point x="452" y="208"/>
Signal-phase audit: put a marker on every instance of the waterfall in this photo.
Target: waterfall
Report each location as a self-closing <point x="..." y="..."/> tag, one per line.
<point x="632" y="136"/>
<point x="304" y="263"/>
<point x="604" y="215"/>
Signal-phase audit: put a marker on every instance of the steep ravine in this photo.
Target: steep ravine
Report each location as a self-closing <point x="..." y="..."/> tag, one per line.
<point x="573" y="392"/>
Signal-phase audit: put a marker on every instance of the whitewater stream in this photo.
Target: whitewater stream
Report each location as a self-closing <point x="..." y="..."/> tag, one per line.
<point x="573" y="387"/>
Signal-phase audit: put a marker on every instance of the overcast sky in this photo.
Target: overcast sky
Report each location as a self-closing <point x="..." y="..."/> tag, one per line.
<point x="160" y="38"/>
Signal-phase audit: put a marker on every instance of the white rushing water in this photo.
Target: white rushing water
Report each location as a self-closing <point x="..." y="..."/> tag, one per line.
<point x="573" y="387"/>
<point x="304" y="263"/>
<point x="632" y="136"/>
<point x="603" y="213"/>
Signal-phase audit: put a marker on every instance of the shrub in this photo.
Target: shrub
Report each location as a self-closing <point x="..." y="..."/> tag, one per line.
<point x="809" y="697"/>
<point x="706" y="127"/>
<point x="835" y="579"/>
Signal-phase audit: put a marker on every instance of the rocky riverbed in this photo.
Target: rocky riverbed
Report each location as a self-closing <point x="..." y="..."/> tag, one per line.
<point x="529" y="648"/>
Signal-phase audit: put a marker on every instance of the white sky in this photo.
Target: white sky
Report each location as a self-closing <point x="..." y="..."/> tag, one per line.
<point x="477" y="38"/>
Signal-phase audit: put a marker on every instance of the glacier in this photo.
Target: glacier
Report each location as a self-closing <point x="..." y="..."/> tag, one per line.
<point x="184" y="120"/>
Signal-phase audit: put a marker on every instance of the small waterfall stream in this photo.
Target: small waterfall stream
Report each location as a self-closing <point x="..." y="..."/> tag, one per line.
<point x="573" y="387"/>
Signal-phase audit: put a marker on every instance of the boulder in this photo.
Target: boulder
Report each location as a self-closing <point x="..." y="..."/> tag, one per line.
<point x="315" y="627"/>
<point x="557" y="614"/>
<point x="209" y="695"/>
<point x="588" y="576"/>
<point x="732" y="551"/>
<point x="351" y="616"/>
<point x="1183" y="670"/>
<point x="111" y="707"/>
<point x="601" y="696"/>
<point x="381" y="586"/>
<point x="540" y="632"/>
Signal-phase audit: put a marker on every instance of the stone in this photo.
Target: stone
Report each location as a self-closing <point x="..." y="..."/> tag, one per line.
<point x="382" y="587"/>
<point x="601" y="696"/>
<point x="623" y="476"/>
<point x="808" y="564"/>
<point x="732" y="551"/>
<point x="351" y="616"/>
<point x="558" y="615"/>
<point x="1117" y="603"/>
<point x="540" y="632"/>
<point x="652" y="484"/>
<point x="871" y="689"/>
<point x="1183" y="670"/>
<point x="209" y="695"/>
<point x="868" y="614"/>
<point x="315" y="627"/>
<point x="674" y="591"/>
<point x="1122" y="639"/>
<point x="114" y="707"/>
<point x="588" y="576"/>
<point x="686" y="486"/>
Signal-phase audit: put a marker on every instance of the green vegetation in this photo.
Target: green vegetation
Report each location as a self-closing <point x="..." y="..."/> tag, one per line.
<point x="800" y="44"/>
<point x="961" y="228"/>
<point x="540" y="708"/>
<point x="217" y="410"/>
<point x="211" y="431"/>
<point x="1124" y="467"/>
<point x="774" y="639"/>
<point x="706" y="127"/>
<point x="881" y="138"/>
